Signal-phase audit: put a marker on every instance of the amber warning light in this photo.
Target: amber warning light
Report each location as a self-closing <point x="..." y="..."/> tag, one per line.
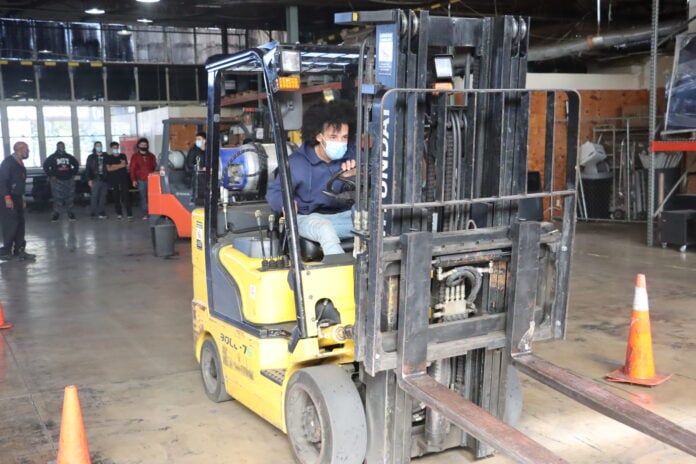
<point x="288" y="83"/>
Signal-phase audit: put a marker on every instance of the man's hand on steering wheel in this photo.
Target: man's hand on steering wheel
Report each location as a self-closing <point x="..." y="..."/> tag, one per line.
<point x="345" y="176"/>
<point x="348" y="168"/>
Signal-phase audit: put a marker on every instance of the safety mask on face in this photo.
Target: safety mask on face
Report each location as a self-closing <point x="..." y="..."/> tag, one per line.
<point x="98" y="149"/>
<point x="335" y="150"/>
<point x="199" y="143"/>
<point x="143" y="149"/>
<point x="114" y="151"/>
<point x="26" y="155"/>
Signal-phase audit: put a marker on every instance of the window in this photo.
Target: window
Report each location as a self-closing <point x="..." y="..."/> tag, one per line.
<point x="182" y="83"/>
<point x="15" y="39"/>
<point x="23" y="127"/>
<point x="90" y="120"/>
<point x="120" y="82"/>
<point x="180" y="45"/>
<point x="51" y="40"/>
<point x="118" y="43"/>
<point x="54" y="81"/>
<point x="150" y="45"/>
<point x="236" y="40"/>
<point x="18" y="81"/>
<point x="2" y="140"/>
<point x="123" y="121"/>
<point x="152" y="83"/>
<point x="58" y="128"/>
<point x="85" y="41"/>
<point x="202" y="84"/>
<point x="89" y="83"/>
<point x="208" y="43"/>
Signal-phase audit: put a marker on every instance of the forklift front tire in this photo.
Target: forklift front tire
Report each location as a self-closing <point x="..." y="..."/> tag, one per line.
<point x="324" y="417"/>
<point x="211" y="373"/>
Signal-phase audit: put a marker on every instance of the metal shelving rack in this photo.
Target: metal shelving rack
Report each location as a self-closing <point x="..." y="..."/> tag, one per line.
<point x="652" y="113"/>
<point x="684" y="146"/>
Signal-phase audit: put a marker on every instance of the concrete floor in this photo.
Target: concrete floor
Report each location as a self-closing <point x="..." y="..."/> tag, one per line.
<point x="99" y="311"/>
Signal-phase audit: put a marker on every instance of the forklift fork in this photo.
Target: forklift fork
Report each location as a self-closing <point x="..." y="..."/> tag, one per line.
<point x="412" y="351"/>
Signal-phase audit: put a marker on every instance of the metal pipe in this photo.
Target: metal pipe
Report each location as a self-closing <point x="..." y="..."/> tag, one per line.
<point x="579" y="46"/>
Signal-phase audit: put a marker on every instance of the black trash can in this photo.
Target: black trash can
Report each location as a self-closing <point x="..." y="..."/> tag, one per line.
<point x="163" y="237"/>
<point x="597" y="193"/>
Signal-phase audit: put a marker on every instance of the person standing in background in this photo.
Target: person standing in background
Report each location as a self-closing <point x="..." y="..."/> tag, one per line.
<point x="61" y="168"/>
<point x="13" y="176"/>
<point x="96" y="179"/>
<point x="118" y="179"/>
<point x="142" y="164"/>
<point x="195" y="167"/>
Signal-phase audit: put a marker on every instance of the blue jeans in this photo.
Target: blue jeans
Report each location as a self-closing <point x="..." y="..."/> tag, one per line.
<point x="142" y="190"/>
<point x="327" y="229"/>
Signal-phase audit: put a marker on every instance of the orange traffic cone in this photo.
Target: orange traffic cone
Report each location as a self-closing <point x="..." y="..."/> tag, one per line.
<point x="72" y="448"/>
<point x="3" y="324"/>
<point x="640" y="366"/>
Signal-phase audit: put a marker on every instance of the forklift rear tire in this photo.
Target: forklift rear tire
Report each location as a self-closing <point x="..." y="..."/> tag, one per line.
<point x="211" y="373"/>
<point x="325" y="417"/>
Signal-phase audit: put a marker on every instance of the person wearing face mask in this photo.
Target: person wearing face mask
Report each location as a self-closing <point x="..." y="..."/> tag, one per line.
<point x="194" y="166"/>
<point x="326" y="130"/>
<point x="118" y="180"/>
<point x="13" y="177"/>
<point x="96" y="179"/>
<point x="61" y="168"/>
<point x="142" y="164"/>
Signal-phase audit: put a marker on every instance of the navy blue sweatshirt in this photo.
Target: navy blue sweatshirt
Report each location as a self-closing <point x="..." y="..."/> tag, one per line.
<point x="309" y="175"/>
<point x="13" y="177"/>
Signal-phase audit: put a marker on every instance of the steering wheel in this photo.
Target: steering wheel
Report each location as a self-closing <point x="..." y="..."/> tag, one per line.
<point x="346" y="195"/>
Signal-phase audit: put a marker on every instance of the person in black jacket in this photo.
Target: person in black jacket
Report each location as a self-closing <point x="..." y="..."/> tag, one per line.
<point x="61" y="168"/>
<point x="13" y="177"/>
<point x="119" y="180"/>
<point x="195" y="167"/>
<point x="96" y="179"/>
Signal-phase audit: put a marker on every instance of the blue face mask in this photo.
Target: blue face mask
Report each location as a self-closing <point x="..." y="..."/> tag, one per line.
<point x="335" y="150"/>
<point x="199" y="143"/>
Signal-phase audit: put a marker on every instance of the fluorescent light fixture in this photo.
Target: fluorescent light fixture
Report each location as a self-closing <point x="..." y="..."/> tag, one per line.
<point x="44" y="51"/>
<point x="26" y="81"/>
<point x="290" y="61"/>
<point x="124" y="32"/>
<point x="144" y="20"/>
<point x="148" y="1"/>
<point x="443" y="66"/>
<point x="95" y="11"/>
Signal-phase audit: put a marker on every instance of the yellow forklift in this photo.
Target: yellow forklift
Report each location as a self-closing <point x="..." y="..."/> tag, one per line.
<point x="411" y="343"/>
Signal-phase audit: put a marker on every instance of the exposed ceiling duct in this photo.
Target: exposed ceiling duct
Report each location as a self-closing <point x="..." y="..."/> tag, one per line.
<point x="611" y="39"/>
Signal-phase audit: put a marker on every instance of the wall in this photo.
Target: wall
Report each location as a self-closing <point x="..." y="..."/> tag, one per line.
<point x="583" y="81"/>
<point x="595" y="107"/>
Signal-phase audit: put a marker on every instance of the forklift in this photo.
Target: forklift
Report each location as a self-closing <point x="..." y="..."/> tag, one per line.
<point x="412" y="342"/>
<point x="173" y="192"/>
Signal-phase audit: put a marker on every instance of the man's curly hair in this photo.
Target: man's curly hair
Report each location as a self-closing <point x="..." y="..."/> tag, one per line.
<point x="322" y="115"/>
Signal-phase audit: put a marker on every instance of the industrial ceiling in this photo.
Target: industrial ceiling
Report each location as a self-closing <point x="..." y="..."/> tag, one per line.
<point x="552" y="21"/>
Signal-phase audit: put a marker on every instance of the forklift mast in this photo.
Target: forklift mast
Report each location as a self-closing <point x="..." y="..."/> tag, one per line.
<point x="456" y="267"/>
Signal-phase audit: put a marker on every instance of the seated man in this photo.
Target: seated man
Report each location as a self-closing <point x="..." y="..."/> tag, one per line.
<point x="326" y="130"/>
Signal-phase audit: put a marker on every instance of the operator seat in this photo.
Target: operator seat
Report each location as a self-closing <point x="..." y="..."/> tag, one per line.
<point x="311" y="251"/>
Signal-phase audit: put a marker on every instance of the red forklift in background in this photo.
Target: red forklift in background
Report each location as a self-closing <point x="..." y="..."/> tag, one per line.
<point x="171" y="193"/>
